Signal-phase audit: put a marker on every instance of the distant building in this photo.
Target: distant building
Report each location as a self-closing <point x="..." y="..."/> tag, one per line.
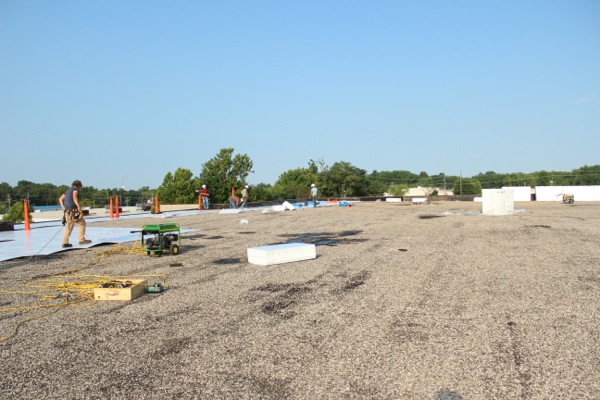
<point x="427" y="191"/>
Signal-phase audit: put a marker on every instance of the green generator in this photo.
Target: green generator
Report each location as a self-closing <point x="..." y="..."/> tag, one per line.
<point x="157" y="238"/>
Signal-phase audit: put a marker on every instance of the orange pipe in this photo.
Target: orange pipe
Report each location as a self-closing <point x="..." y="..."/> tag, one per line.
<point x="156" y="206"/>
<point x="116" y="206"/>
<point x="26" y="215"/>
<point x="110" y="208"/>
<point x="199" y="200"/>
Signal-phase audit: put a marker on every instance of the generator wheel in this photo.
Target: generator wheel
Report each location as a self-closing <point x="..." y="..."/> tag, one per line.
<point x="173" y="249"/>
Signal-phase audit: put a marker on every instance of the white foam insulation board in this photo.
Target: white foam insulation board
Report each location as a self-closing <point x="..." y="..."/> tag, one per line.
<point x="281" y="253"/>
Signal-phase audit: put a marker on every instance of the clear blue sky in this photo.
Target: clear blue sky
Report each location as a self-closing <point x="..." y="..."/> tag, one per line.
<point x="113" y="91"/>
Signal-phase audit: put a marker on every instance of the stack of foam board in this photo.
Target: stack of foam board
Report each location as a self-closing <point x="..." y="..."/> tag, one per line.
<point x="281" y="253"/>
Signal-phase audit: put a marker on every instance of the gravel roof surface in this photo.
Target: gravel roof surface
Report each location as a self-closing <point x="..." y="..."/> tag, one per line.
<point x="403" y="301"/>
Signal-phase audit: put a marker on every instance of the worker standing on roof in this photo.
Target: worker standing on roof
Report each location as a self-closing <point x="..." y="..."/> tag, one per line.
<point x="245" y="197"/>
<point x="205" y="197"/>
<point x="69" y="202"/>
<point x="313" y="194"/>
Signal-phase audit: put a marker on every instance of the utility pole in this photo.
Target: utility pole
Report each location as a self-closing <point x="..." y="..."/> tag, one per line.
<point x="460" y="181"/>
<point x="445" y="184"/>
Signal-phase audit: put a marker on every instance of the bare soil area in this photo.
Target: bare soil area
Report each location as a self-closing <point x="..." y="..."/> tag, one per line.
<point x="402" y="302"/>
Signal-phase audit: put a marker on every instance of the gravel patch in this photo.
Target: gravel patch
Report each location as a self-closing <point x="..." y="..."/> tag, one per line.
<point x="403" y="301"/>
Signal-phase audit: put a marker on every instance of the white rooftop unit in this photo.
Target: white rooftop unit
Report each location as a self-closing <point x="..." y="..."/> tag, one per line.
<point x="497" y="201"/>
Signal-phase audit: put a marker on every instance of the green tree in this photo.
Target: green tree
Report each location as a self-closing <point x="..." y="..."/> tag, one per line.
<point x="443" y="181"/>
<point x="389" y="178"/>
<point x="425" y="180"/>
<point x="101" y="197"/>
<point x="178" y="188"/>
<point x="223" y="172"/>
<point x="561" y="178"/>
<point x="543" y="179"/>
<point x="320" y="177"/>
<point x="295" y="183"/>
<point x="397" y="189"/>
<point x="375" y="187"/>
<point x="5" y="190"/>
<point x="587" y="175"/>
<point x="490" y="180"/>
<point x="144" y="194"/>
<point x="262" y="192"/>
<point x="36" y="193"/>
<point x="22" y="189"/>
<point x="467" y="186"/>
<point x="518" y="179"/>
<point x="16" y="213"/>
<point x="86" y="196"/>
<point x="347" y="180"/>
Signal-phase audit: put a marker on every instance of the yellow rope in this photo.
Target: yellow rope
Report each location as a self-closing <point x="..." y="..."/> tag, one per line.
<point x="16" y="327"/>
<point x="68" y="288"/>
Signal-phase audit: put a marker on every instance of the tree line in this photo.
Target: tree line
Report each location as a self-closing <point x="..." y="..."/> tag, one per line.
<point x="340" y="180"/>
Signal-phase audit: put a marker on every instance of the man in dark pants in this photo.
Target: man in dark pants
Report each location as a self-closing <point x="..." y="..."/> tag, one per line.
<point x="69" y="201"/>
<point x="313" y="194"/>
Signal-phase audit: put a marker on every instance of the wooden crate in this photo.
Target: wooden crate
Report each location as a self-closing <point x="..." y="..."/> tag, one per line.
<point x="135" y="289"/>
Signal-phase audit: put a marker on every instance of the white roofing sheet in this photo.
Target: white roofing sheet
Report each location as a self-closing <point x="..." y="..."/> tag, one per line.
<point x="46" y="237"/>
